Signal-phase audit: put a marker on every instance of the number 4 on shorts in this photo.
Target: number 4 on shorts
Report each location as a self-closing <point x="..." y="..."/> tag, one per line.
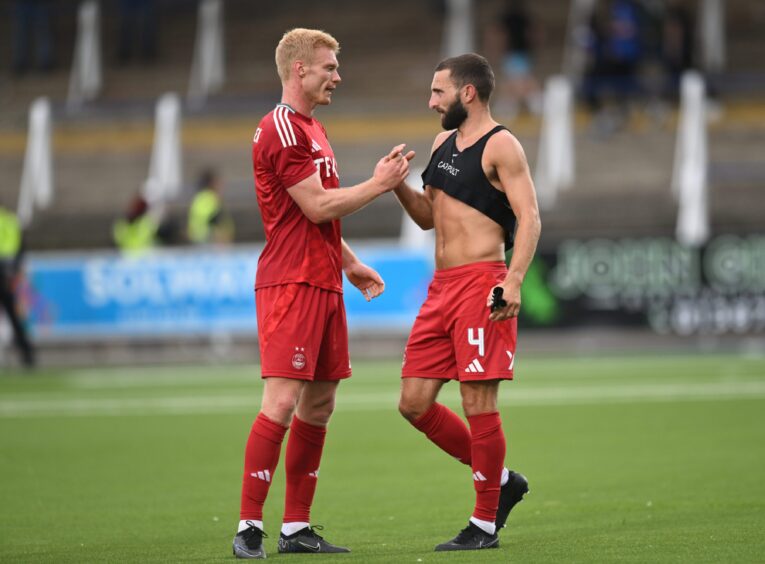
<point x="476" y="341"/>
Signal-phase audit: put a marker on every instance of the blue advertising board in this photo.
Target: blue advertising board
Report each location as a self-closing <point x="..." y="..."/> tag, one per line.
<point x="194" y="292"/>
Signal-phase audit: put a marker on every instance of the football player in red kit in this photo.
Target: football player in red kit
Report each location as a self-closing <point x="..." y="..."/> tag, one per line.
<point x="298" y="289"/>
<point x="479" y="197"/>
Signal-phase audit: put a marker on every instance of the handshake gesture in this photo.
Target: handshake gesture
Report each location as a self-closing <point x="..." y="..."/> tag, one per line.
<point x="393" y="168"/>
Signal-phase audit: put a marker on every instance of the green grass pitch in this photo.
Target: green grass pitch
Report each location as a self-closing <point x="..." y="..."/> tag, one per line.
<point x="630" y="459"/>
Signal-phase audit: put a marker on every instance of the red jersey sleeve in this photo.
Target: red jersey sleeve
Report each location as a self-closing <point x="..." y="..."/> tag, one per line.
<point x="290" y="158"/>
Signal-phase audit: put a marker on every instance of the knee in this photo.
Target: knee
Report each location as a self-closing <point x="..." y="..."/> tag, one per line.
<point x="318" y="413"/>
<point x="280" y="410"/>
<point x="322" y="414"/>
<point x="469" y="406"/>
<point x="474" y="406"/>
<point x="412" y="408"/>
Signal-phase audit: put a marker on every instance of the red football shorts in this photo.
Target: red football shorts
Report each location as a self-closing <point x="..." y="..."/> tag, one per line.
<point x="452" y="337"/>
<point x="302" y="333"/>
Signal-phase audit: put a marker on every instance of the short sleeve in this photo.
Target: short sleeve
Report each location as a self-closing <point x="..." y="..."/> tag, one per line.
<point x="292" y="161"/>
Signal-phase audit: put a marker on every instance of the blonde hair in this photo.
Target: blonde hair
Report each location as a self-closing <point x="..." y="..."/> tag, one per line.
<point x="300" y="43"/>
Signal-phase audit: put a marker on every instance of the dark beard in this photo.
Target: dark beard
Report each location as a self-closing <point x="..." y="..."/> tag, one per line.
<point x="454" y="115"/>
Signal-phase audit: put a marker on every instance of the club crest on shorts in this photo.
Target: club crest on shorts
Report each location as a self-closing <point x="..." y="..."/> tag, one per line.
<point x="298" y="359"/>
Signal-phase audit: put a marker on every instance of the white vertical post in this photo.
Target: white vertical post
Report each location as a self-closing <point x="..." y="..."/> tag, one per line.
<point x="36" y="189"/>
<point x="689" y="175"/>
<point x="458" y="36"/>
<point x="208" y="68"/>
<point x="712" y="24"/>
<point x="6" y="337"/>
<point x="412" y="236"/>
<point x="575" y="44"/>
<point x="555" y="159"/>
<point x="164" y="180"/>
<point x="85" y="79"/>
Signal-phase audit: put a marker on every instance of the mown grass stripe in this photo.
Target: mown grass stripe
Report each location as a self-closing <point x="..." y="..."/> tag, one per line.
<point x="385" y="399"/>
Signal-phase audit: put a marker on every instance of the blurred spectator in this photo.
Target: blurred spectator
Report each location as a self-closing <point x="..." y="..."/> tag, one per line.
<point x="33" y="25"/>
<point x="616" y="51"/>
<point x="519" y="83"/>
<point x="676" y="45"/>
<point x="207" y="222"/>
<point x="137" y="30"/>
<point x="136" y="233"/>
<point x="11" y="274"/>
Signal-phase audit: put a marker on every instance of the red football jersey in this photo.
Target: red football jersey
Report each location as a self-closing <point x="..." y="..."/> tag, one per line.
<point x="288" y="147"/>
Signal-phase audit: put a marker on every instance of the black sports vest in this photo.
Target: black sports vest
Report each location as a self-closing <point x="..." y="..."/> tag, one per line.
<point x="460" y="174"/>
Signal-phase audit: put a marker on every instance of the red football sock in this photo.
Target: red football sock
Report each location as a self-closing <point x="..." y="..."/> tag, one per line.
<point x="260" y="459"/>
<point x="445" y="428"/>
<point x="304" y="447"/>
<point x="488" y="448"/>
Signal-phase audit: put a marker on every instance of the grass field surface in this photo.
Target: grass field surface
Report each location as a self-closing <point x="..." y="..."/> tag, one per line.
<point x="630" y="459"/>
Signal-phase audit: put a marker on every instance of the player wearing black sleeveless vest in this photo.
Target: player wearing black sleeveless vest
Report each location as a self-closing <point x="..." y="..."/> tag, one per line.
<point x="479" y="197"/>
<point x="460" y="174"/>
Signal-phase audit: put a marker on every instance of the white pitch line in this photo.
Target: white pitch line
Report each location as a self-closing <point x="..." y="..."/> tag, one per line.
<point x="359" y="401"/>
<point x="158" y="380"/>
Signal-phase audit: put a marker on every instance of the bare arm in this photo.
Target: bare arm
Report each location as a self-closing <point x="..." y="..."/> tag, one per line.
<point x="507" y="155"/>
<point x="320" y="205"/>
<point x="419" y="204"/>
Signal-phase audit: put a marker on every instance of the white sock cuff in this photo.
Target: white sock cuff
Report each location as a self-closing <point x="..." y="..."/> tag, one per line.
<point x="247" y="523"/>
<point x="487" y="526"/>
<point x="292" y="528"/>
<point x="505" y="477"/>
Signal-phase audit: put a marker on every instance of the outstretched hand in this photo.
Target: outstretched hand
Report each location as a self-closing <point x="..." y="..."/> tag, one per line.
<point x="393" y="168"/>
<point x="366" y="279"/>
<point x="398" y="152"/>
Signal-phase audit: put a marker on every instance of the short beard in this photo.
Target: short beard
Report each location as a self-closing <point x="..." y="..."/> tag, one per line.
<point x="454" y="116"/>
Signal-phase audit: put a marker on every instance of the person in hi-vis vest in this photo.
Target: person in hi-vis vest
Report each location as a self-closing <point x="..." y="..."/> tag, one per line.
<point x="11" y="257"/>
<point x="136" y="232"/>
<point x="207" y="222"/>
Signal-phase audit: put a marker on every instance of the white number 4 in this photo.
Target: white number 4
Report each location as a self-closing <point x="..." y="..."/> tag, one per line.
<point x="476" y="341"/>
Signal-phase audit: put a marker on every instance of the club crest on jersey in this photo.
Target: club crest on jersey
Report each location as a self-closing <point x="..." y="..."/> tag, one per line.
<point x="298" y="359"/>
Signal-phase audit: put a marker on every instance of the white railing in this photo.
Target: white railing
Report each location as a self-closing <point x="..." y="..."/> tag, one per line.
<point x="458" y="37"/>
<point x="577" y="37"/>
<point x="164" y="180"/>
<point x="555" y="159"/>
<point x="85" y="78"/>
<point x="689" y="174"/>
<point x="36" y="190"/>
<point x="208" y="69"/>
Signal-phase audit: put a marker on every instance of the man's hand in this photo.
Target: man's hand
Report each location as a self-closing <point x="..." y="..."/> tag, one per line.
<point x="511" y="295"/>
<point x="398" y="152"/>
<point x="393" y="168"/>
<point x="366" y="279"/>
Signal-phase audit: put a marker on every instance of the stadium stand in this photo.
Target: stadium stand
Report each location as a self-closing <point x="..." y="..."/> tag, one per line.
<point x="101" y="152"/>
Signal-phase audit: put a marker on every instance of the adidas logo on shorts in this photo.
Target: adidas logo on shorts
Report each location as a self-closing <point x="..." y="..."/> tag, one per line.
<point x="474" y="366"/>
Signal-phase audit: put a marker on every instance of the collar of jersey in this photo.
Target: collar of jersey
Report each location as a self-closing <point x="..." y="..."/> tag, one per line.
<point x="294" y="111"/>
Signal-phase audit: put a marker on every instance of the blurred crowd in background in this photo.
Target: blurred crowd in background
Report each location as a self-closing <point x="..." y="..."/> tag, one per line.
<point x="629" y="55"/>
